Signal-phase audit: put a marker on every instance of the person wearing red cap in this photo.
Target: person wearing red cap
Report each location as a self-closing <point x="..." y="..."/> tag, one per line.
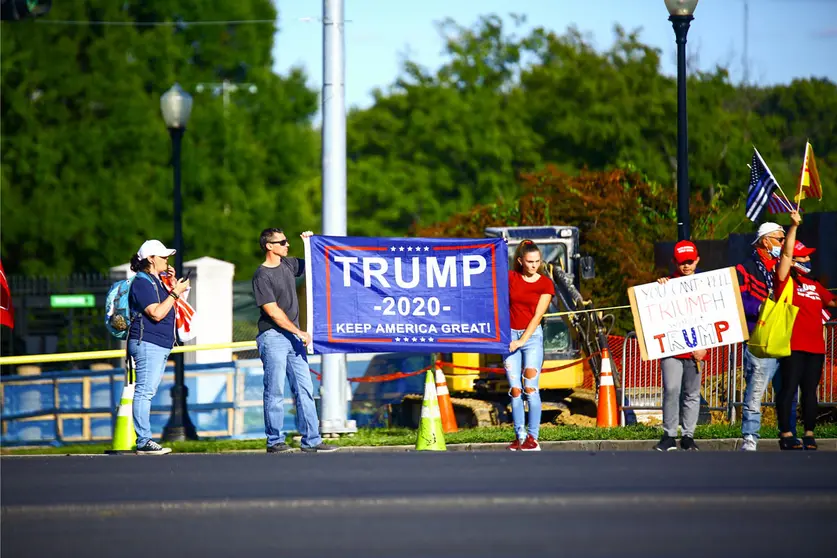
<point x="803" y="368"/>
<point x="681" y="374"/>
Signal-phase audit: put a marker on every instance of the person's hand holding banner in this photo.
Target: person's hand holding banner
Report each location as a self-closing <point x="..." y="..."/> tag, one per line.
<point x="407" y="294"/>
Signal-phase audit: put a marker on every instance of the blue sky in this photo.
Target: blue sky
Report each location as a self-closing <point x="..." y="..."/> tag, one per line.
<point x="787" y="38"/>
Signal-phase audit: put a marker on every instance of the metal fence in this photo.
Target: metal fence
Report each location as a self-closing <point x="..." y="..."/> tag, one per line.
<point x="66" y="314"/>
<point x="57" y="314"/>
<point x="722" y="379"/>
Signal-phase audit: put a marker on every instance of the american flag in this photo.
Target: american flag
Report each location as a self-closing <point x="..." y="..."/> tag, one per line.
<point x="183" y="311"/>
<point x="762" y="186"/>
<point x="777" y="205"/>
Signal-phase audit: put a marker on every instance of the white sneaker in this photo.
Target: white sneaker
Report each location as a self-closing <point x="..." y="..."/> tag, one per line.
<point x="153" y="448"/>
<point x="749" y="444"/>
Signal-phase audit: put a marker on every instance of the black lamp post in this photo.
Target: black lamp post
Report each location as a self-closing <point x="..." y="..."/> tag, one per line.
<point x="680" y="16"/>
<point x="176" y="106"/>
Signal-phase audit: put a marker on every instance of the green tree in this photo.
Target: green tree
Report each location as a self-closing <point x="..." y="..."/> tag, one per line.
<point x="85" y="175"/>
<point x="620" y="215"/>
<point x="452" y="138"/>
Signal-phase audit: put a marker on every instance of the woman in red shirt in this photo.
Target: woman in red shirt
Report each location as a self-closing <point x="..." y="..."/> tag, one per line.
<point x="530" y="291"/>
<point x="804" y="365"/>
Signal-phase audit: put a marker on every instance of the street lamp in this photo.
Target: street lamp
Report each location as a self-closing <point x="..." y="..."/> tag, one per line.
<point x="680" y="16"/>
<point x="176" y="106"/>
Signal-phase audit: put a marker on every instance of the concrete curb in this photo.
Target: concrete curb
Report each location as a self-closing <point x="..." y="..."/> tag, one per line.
<point x="724" y="444"/>
<point x="593" y="446"/>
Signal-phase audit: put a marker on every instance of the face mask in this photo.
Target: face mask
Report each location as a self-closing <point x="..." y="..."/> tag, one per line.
<point x="802" y="267"/>
<point x="775" y="251"/>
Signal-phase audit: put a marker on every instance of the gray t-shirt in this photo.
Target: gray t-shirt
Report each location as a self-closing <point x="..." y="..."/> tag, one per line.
<point x="278" y="284"/>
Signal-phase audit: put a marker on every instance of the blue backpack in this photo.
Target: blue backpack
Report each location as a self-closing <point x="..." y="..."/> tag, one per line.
<point x="118" y="315"/>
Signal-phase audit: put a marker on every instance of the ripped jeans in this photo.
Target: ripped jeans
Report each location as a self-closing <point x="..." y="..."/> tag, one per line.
<point x="530" y="355"/>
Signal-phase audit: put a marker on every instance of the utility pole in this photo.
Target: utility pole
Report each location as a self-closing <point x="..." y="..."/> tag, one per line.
<point x="335" y="384"/>
<point x="225" y="89"/>
<point x="745" y="60"/>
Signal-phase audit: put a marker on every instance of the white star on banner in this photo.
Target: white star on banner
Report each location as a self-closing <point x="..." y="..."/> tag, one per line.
<point x="398" y="339"/>
<point x="393" y="249"/>
<point x="430" y="339"/>
<point x="409" y="248"/>
<point x="418" y="248"/>
<point x="422" y="339"/>
<point x="401" y="248"/>
<point x="415" y="339"/>
<point x="427" y="248"/>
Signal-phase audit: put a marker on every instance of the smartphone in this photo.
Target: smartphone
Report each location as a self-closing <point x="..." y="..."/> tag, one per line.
<point x="188" y="274"/>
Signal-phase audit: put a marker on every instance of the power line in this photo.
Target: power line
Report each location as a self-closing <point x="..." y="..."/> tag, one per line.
<point x="152" y="23"/>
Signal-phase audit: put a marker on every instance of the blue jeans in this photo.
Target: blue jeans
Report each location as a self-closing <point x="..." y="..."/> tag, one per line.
<point x="758" y="372"/>
<point x="281" y="353"/>
<point x="530" y="355"/>
<point x="149" y="363"/>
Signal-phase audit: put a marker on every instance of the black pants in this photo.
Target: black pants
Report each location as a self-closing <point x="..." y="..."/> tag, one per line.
<point x="803" y="370"/>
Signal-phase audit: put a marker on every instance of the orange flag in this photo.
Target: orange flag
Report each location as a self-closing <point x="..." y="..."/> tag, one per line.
<point x="809" y="180"/>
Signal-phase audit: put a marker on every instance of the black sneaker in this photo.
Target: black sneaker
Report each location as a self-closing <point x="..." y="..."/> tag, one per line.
<point x="687" y="443"/>
<point x="278" y="448"/>
<point x="667" y="443"/>
<point x="153" y="448"/>
<point x="321" y="448"/>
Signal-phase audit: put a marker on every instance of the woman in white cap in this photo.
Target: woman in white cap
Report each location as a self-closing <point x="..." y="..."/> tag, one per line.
<point x="755" y="279"/>
<point x="151" y="336"/>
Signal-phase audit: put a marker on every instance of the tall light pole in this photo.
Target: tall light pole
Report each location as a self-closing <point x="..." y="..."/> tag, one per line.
<point x="176" y="106"/>
<point x="680" y="16"/>
<point x="335" y="384"/>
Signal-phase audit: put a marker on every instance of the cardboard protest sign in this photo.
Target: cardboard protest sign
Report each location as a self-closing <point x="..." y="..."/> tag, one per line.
<point x="698" y="311"/>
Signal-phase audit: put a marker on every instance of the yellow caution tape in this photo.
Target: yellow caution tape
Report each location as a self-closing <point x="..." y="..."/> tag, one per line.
<point x="117" y="353"/>
<point x="241" y="345"/>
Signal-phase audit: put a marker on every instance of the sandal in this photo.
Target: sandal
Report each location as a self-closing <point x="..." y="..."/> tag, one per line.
<point x="790" y="443"/>
<point x="809" y="443"/>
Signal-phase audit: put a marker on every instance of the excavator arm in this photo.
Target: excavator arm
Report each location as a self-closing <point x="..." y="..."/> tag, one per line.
<point x="587" y="326"/>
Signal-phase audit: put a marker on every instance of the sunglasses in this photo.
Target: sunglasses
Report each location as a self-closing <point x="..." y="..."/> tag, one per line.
<point x="283" y="242"/>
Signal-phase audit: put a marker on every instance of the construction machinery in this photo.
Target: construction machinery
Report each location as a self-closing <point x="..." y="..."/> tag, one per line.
<point x="571" y="339"/>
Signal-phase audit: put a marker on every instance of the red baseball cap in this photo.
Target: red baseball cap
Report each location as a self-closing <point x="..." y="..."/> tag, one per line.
<point x="684" y="251"/>
<point x="800" y="250"/>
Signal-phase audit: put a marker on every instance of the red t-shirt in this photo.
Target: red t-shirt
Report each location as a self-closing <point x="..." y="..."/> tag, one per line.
<point x="811" y="298"/>
<point x="524" y="297"/>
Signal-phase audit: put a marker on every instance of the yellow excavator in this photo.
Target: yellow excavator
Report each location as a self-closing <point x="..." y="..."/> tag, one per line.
<point x="480" y="398"/>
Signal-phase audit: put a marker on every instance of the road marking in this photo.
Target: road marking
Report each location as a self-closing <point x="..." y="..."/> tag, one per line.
<point x="575" y="501"/>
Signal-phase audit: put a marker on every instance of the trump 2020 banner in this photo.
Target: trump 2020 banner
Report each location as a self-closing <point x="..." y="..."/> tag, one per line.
<point x="407" y="294"/>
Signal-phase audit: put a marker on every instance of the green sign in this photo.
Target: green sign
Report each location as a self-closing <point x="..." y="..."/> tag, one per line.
<point x="72" y="301"/>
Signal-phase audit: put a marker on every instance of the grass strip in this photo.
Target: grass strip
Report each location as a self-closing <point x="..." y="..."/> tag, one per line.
<point x="406" y="436"/>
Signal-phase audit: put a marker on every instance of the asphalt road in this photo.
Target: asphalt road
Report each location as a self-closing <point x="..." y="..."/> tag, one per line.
<point x="406" y="504"/>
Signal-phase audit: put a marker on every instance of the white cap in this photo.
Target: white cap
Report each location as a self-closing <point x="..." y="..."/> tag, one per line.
<point x="154" y="248"/>
<point x="767" y="228"/>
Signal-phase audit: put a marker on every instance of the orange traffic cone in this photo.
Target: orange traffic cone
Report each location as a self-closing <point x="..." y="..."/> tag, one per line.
<point x="445" y="405"/>
<point x="607" y="412"/>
